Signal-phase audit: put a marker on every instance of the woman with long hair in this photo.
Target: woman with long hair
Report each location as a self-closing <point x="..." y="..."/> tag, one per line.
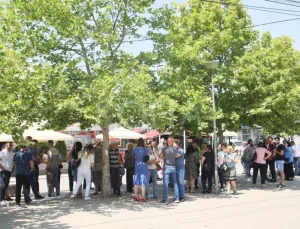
<point x="191" y="168"/>
<point x="129" y="166"/>
<point x="72" y="172"/>
<point x="97" y="170"/>
<point x="141" y="169"/>
<point x="152" y="172"/>
<point x="84" y="170"/>
<point x="207" y="172"/>
<point x="231" y="159"/>
<point x="262" y="155"/>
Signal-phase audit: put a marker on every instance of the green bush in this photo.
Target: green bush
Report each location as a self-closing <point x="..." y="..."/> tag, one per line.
<point x="62" y="148"/>
<point x="42" y="146"/>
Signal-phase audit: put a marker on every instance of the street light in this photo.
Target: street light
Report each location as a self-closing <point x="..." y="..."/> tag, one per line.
<point x="212" y="66"/>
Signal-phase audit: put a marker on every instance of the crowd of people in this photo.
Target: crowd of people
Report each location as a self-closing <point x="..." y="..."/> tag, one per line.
<point x="146" y="164"/>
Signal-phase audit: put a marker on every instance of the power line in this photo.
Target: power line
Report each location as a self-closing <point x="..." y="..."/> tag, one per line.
<point x="249" y="6"/>
<point x="274" y="22"/>
<point x="282" y="3"/>
<point x="298" y="2"/>
<point x="271" y="11"/>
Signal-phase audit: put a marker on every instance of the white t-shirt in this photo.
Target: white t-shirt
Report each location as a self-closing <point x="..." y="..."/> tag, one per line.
<point x="297" y="150"/>
<point x="152" y="158"/>
<point x="220" y="158"/>
<point x="86" y="162"/>
<point x="6" y="159"/>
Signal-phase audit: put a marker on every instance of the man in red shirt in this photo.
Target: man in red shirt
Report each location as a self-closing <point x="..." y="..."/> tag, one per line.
<point x="271" y="160"/>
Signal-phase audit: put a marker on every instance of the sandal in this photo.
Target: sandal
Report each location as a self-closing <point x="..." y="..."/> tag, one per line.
<point x="143" y="199"/>
<point x="136" y="198"/>
<point x="79" y="195"/>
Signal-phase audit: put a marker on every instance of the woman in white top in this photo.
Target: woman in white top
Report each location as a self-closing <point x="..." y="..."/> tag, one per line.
<point x="152" y="171"/>
<point x="220" y="161"/>
<point x="84" y="170"/>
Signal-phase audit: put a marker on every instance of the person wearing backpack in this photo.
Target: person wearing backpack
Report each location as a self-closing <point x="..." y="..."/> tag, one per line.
<point x="246" y="158"/>
<point x="207" y="172"/>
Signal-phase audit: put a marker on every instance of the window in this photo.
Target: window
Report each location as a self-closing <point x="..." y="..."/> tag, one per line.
<point x="246" y="133"/>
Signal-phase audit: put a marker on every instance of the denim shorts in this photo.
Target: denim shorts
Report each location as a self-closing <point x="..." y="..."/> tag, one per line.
<point x="280" y="166"/>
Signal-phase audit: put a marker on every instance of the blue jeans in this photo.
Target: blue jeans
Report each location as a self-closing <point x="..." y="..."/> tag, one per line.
<point x="246" y="166"/>
<point x="170" y="171"/>
<point x="153" y="174"/>
<point x="297" y="165"/>
<point x="180" y="180"/>
<point x="5" y="177"/>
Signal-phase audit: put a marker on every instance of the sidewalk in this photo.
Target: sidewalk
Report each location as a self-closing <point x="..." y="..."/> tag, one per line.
<point x="259" y="208"/>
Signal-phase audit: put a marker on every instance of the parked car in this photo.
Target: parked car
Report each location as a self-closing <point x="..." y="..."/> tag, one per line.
<point x="237" y="144"/>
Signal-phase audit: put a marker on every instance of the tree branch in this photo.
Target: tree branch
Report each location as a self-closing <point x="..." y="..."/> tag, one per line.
<point x="84" y="53"/>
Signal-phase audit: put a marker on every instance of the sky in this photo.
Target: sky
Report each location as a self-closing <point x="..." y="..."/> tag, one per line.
<point x="290" y="28"/>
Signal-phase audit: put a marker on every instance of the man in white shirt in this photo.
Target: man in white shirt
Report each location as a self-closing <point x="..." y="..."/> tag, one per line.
<point x="6" y="165"/>
<point x="296" y="155"/>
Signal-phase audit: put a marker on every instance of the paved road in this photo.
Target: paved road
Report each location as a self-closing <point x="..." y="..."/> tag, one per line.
<point x="251" y="208"/>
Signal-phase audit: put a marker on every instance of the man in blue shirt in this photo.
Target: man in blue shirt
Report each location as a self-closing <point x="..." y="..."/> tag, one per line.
<point x="180" y="171"/>
<point x="24" y="165"/>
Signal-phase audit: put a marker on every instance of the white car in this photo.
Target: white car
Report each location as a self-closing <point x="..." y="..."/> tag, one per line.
<point x="237" y="144"/>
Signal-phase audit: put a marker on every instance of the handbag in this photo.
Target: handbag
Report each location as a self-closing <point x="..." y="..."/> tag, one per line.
<point x="254" y="157"/>
<point x="146" y="157"/>
<point x="207" y="167"/>
<point x="158" y="167"/>
<point x="224" y="167"/>
<point x="122" y="171"/>
<point x="76" y="164"/>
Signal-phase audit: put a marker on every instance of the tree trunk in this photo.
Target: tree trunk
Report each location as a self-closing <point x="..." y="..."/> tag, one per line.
<point x="106" y="186"/>
<point x="220" y="132"/>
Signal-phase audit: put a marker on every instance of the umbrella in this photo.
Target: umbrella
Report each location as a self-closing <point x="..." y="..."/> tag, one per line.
<point x="230" y="134"/>
<point x="6" y="138"/>
<point x="45" y="135"/>
<point x="122" y="133"/>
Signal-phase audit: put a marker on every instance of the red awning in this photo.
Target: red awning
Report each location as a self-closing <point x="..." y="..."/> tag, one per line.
<point x="152" y="134"/>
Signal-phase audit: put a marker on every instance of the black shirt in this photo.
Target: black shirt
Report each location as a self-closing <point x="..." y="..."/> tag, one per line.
<point x="279" y="149"/>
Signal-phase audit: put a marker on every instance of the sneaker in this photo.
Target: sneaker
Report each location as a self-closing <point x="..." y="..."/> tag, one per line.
<point x="263" y="186"/>
<point x="181" y="199"/>
<point x="248" y="179"/>
<point x="27" y="203"/>
<point x="87" y="198"/>
<point x="234" y="191"/>
<point x="3" y="203"/>
<point x="176" y="201"/>
<point x="280" y="186"/>
<point x="222" y="190"/>
<point x="73" y="196"/>
<point x="8" y="199"/>
<point x="48" y="198"/>
<point x="39" y="197"/>
<point x="58" y="197"/>
<point x="163" y="201"/>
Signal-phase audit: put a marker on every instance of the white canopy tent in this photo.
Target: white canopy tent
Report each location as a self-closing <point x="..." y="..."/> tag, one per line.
<point x="6" y="138"/>
<point x="122" y="133"/>
<point x="40" y="135"/>
<point x="45" y="135"/>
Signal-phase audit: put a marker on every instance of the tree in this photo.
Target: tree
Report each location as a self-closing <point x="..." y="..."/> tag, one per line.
<point x="190" y="35"/>
<point x="268" y="81"/>
<point x="84" y="74"/>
